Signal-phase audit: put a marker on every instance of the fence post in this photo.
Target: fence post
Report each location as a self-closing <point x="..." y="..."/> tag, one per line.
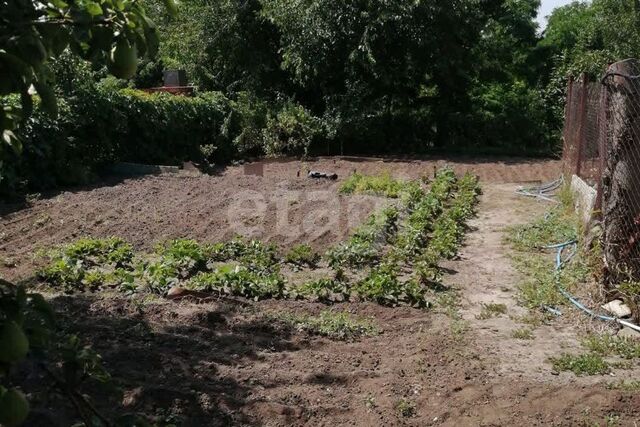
<point x="582" y="117"/>
<point x="567" y="130"/>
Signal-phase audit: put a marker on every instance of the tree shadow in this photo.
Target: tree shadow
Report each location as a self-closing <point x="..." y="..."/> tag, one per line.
<point x="166" y="361"/>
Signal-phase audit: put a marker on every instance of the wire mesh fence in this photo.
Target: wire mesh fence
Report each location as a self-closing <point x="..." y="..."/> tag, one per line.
<point x="602" y="146"/>
<point x="581" y="133"/>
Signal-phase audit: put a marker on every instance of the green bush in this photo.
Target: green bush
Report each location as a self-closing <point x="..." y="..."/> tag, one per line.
<point x="290" y="131"/>
<point x="97" y="127"/>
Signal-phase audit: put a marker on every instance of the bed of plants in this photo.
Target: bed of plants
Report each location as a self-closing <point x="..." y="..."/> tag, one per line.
<point x="391" y="259"/>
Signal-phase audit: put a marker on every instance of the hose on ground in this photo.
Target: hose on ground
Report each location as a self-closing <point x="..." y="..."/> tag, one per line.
<point x="543" y="191"/>
<point x="560" y="264"/>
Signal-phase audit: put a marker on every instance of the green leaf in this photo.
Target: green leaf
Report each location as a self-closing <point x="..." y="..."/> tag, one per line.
<point x="172" y="7"/>
<point x="59" y="4"/>
<point x="94" y="9"/>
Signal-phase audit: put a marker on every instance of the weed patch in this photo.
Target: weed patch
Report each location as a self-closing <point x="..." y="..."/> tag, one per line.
<point x="607" y="345"/>
<point x="539" y="287"/>
<point x="491" y="310"/>
<point x="585" y="364"/>
<point x="335" y="325"/>
<point x="377" y="185"/>
<point x="523" y="334"/>
<point x="405" y="408"/>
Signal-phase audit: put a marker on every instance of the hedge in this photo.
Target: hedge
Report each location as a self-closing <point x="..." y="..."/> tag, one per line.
<point x="99" y="126"/>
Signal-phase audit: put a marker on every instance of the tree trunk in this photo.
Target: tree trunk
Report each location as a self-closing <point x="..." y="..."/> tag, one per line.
<point x="621" y="175"/>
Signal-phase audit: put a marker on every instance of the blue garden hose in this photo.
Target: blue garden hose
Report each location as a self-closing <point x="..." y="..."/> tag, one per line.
<point x="560" y="263"/>
<point x="544" y="192"/>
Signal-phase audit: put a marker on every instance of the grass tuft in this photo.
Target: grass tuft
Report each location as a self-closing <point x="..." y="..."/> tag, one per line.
<point x="492" y="310"/>
<point x="523" y="334"/>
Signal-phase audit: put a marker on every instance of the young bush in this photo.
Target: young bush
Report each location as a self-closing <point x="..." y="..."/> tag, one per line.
<point x="291" y="131"/>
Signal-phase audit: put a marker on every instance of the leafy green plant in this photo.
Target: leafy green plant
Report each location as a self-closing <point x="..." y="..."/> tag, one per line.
<point x="240" y="281"/>
<point x="325" y="290"/>
<point x="159" y="276"/>
<point x="383" y="286"/>
<point x="81" y="265"/>
<point x="353" y="253"/>
<point x="302" y="255"/>
<point x="253" y="253"/>
<point x="185" y="255"/>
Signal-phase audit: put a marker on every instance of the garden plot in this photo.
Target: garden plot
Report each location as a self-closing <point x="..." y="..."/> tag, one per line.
<point x="404" y="316"/>
<point x="391" y="259"/>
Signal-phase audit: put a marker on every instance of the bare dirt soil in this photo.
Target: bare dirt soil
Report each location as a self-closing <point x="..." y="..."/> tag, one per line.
<point x="224" y="362"/>
<point x="282" y="206"/>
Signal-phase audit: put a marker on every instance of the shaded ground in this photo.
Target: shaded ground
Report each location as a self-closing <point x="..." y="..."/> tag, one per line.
<point x="224" y="363"/>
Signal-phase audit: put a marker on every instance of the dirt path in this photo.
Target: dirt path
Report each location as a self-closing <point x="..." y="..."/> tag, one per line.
<point x="486" y="276"/>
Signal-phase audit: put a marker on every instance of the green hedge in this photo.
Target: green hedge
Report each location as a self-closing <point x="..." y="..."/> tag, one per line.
<point x="99" y="126"/>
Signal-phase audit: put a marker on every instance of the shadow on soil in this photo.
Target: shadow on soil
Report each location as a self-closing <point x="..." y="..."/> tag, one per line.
<point x="164" y="362"/>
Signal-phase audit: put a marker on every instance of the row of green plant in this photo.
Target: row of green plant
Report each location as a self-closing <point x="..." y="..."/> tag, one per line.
<point x="427" y="227"/>
<point x="252" y="269"/>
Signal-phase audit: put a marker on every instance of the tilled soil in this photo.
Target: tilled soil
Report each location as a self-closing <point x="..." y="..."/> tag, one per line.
<point x="223" y="362"/>
<point x="281" y="206"/>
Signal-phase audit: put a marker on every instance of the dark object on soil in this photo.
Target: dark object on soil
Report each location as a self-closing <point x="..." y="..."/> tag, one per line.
<point x="320" y="175"/>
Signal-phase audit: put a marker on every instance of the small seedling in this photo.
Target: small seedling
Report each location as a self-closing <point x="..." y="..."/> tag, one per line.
<point x="406" y="408"/>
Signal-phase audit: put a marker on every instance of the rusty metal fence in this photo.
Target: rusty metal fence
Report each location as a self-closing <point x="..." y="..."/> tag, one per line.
<point x="581" y="153"/>
<point x="602" y="146"/>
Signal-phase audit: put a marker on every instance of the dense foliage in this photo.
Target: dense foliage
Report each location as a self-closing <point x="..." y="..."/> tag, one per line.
<point x="284" y="77"/>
